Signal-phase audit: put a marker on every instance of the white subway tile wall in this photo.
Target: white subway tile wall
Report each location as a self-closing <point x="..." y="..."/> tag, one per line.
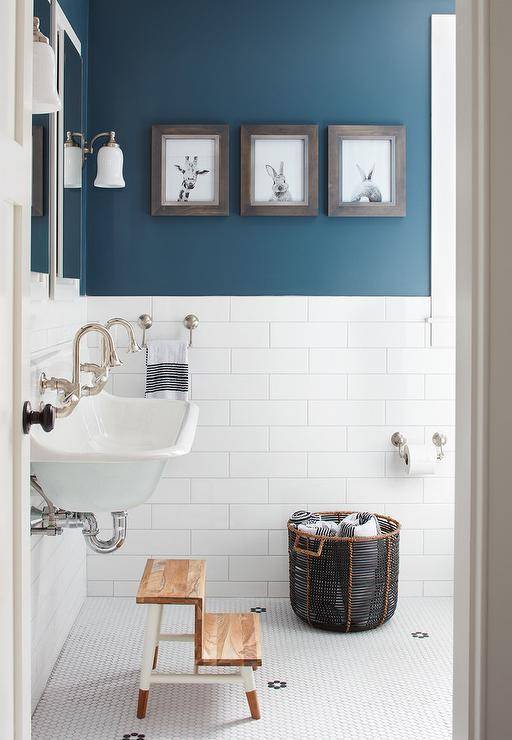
<point x="298" y="398"/>
<point x="58" y="570"/>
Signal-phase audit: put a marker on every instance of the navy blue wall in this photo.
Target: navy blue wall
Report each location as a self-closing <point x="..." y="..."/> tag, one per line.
<point x="292" y="61"/>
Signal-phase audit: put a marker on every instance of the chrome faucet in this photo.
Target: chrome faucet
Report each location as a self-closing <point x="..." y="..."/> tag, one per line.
<point x="70" y="391"/>
<point x="100" y="372"/>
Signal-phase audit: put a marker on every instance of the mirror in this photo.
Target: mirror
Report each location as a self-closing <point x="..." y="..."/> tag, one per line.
<point x="70" y="177"/>
<point x="40" y="227"/>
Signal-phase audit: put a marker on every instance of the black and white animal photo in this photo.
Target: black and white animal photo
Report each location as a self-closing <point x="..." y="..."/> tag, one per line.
<point x="190" y="172"/>
<point x="366" y="190"/>
<point x="280" y="188"/>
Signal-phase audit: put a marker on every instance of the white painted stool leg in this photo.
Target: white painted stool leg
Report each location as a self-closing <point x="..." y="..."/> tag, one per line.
<point x="247" y="674"/>
<point x="155" y="654"/>
<point x="150" y="643"/>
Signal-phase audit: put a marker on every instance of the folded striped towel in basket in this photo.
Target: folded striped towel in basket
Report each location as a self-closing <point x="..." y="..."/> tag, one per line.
<point x="358" y="524"/>
<point x="167" y="369"/>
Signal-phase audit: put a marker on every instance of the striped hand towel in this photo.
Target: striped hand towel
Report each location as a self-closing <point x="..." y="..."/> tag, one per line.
<point x="167" y="369"/>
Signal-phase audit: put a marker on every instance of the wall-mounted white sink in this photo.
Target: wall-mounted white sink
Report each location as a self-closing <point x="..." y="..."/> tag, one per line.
<point x="110" y="453"/>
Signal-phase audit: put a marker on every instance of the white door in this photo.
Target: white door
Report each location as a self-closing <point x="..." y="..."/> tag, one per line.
<point x="15" y="197"/>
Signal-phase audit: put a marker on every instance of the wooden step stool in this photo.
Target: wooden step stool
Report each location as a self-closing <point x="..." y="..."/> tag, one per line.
<point x="219" y="639"/>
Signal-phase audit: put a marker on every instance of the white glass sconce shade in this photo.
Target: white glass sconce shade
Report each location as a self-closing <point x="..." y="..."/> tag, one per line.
<point x="110" y="167"/>
<point x="72" y="165"/>
<point x="45" y="98"/>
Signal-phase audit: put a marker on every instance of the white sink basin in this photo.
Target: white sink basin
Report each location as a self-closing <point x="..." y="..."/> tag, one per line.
<point x="110" y="453"/>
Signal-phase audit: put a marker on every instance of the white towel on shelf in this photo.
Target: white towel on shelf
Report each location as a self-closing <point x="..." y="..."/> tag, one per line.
<point x="167" y="369"/>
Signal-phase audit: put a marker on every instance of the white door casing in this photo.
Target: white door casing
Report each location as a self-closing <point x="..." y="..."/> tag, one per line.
<point x="15" y="204"/>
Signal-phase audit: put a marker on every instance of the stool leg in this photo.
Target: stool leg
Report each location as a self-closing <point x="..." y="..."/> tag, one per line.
<point x="250" y="691"/>
<point x="155" y="655"/>
<point x="150" y="642"/>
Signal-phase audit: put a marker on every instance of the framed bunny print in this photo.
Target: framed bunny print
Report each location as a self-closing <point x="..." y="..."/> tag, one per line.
<point x="189" y="170"/>
<point x="367" y="171"/>
<point x="279" y="170"/>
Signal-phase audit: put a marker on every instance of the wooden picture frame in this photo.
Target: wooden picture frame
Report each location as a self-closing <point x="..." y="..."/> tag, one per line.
<point x="266" y="171"/>
<point x="353" y="188"/>
<point x="37" y="170"/>
<point x="174" y="191"/>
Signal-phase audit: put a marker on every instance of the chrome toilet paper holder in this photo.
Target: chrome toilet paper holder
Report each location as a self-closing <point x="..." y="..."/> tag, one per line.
<point x="400" y="440"/>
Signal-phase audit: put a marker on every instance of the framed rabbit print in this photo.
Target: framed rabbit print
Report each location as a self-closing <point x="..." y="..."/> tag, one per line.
<point x="189" y="170"/>
<point x="366" y="171"/>
<point x="279" y="170"/>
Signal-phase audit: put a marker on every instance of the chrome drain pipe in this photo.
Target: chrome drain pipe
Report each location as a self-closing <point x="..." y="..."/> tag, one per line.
<point x="91" y="532"/>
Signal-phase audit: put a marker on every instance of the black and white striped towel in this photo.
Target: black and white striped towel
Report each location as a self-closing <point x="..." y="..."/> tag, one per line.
<point x="167" y="369"/>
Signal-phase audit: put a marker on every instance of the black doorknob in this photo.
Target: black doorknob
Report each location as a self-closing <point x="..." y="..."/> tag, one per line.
<point x="45" y="417"/>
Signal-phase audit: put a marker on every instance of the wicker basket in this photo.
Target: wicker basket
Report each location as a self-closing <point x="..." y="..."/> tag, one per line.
<point x="348" y="584"/>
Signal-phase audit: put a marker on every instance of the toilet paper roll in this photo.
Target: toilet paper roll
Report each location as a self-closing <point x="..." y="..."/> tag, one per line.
<point x="419" y="459"/>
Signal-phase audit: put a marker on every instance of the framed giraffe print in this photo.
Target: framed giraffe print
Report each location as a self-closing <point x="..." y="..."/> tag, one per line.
<point x="190" y="170"/>
<point x="366" y="170"/>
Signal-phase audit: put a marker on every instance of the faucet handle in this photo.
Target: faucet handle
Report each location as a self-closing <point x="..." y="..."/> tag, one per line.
<point x="45" y="417"/>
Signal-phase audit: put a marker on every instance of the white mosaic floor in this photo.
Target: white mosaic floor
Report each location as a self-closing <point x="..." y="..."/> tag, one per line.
<point x="374" y="685"/>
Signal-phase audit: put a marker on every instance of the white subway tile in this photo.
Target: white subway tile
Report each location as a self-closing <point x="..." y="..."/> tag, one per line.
<point x="443" y="334"/>
<point x="347" y="308"/>
<point x="378" y="439"/>
<point x="308" y="386"/>
<point x="385" y="490"/>
<point x="269" y="361"/>
<point x="102" y="309"/>
<point x="346" y="464"/>
<point x="206" y="308"/>
<point x="171" y="491"/>
<point x="190" y="516"/>
<point x="438" y="588"/>
<point x="151" y="542"/>
<point x="312" y="490"/>
<point x="134" y="363"/>
<point x="100" y="588"/>
<point x="268" y="413"/>
<point x="435" y="413"/>
<point x="229" y="490"/>
<point x="208" y="360"/>
<point x="239" y="589"/>
<point x="230" y="386"/>
<point x="138" y="518"/>
<point x="349" y="413"/>
<point x="431" y="360"/>
<point x="410" y="588"/>
<point x="411" y="542"/>
<point x="269" y="308"/>
<point x="308" y="439"/>
<point x="348" y="361"/>
<point x="440" y="386"/>
<point x="308" y="334"/>
<point x="439" y="490"/>
<point x="267" y="465"/>
<point x="386" y="386"/>
<point x="212" y="413"/>
<point x="231" y="439"/>
<point x="122" y="568"/>
<point x="242" y="334"/>
<point x="407" y="308"/>
<point x="422" y="516"/>
<point x="426" y="567"/>
<point x="438" y="542"/>
<point x="198" y="465"/>
<point x="279" y="589"/>
<point x="258" y="568"/>
<point x="126" y="589"/>
<point x="229" y="542"/>
<point x="259" y="516"/>
<point x="278" y="542"/>
<point x="386" y="334"/>
<point x="129" y="386"/>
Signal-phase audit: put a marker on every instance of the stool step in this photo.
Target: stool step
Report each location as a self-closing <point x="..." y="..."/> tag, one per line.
<point x="231" y="640"/>
<point x="173" y="582"/>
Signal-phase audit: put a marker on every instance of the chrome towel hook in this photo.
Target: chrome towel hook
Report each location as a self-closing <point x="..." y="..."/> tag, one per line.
<point x="399" y="440"/>
<point x="145" y="322"/>
<point x="439" y="441"/>
<point x="190" y="322"/>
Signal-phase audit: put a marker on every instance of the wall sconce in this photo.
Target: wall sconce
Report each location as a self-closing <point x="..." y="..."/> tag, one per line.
<point x="109" y="173"/>
<point x="45" y="98"/>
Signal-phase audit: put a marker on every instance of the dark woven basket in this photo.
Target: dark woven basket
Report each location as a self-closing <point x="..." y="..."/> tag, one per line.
<point x="347" y="584"/>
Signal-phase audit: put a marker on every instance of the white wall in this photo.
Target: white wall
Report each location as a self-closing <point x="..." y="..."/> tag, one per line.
<point x="295" y="412"/>
<point x="58" y="563"/>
